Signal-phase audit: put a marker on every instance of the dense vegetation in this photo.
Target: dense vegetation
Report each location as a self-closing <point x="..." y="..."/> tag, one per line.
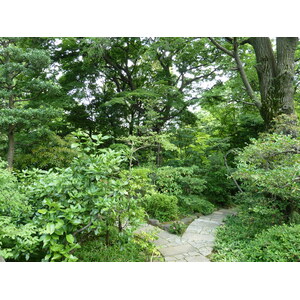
<point x="98" y="135"/>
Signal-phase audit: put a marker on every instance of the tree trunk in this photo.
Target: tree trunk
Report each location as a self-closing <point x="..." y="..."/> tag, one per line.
<point x="11" y="139"/>
<point x="158" y="155"/>
<point x="11" y="146"/>
<point x="286" y="48"/>
<point x="275" y="76"/>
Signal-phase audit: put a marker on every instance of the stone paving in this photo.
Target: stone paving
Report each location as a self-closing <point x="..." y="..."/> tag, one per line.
<point x="195" y="244"/>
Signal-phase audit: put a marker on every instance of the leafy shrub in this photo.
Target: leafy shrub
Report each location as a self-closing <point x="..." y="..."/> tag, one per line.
<point x="44" y="150"/>
<point x="18" y="241"/>
<point x="178" y="181"/>
<point x="197" y="204"/>
<point x="295" y="218"/>
<point x="270" y="166"/>
<point x="12" y="202"/>
<point x="160" y="206"/>
<point x="90" y="196"/>
<point x="17" y="238"/>
<point x="177" y="227"/>
<point x="219" y="187"/>
<point x="277" y="244"/>
<point x="135" y="250"/>
<point x="140" y="179"/>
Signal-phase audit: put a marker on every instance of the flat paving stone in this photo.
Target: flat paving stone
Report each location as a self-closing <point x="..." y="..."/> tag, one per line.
<point x="205" y="251"/>
<point x="170" y="259"/>
<point x="180" y="256"/>
<point x="191" y="237"/>
<point x="175" y="250"/>
<point x="198" y="258"/>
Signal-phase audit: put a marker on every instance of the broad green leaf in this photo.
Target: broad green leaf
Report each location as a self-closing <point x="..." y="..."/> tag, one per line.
<point x="70" y="238"/>
<point x="50" y="228"/>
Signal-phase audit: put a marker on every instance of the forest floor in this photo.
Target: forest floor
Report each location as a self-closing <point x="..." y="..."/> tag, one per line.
<point x="195" y="244"/>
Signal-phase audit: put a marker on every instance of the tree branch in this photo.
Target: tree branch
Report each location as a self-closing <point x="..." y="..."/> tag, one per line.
<point x="244" y="102"/>
<point x="21" y="100"/>
<point x="221" y="47"/>
<point x="83" y="228"/>
<point x="242" y="72"/>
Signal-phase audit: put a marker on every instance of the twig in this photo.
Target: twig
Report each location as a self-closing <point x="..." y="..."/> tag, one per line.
<point x="83" y="228"/>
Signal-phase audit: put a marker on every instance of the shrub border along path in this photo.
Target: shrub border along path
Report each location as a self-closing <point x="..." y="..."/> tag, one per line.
<point x="195" y="244"/>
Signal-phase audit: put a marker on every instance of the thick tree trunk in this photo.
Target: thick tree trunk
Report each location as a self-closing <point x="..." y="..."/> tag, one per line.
<point x="275" y="76"/>
<point x="286" y="48"/>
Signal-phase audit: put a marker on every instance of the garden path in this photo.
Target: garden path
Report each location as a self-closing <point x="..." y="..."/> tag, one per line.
<point x="195" y="244"/>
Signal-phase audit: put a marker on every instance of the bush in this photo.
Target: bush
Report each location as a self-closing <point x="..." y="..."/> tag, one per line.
<point x="196" y="204"/>
<point x="178" y="181"/>
<point x="160" y="206"/>
<point x="277" y="244"/>
<point x="18" y="240"/>
<point x="44" y="150"/>
<point x="141" y="180"/>
<point x="270" y="166"/>
<point x="177" y="227"/>
<point x="219" y="187"/>
<point x="12" y="202"/>
<point x="90" y="197"/>
<point x="135" y="250"/>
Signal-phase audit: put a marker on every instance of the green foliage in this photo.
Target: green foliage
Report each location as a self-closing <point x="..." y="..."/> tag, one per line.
<point x="196" y="204"/>
<point x="44" y="150"/>
<point x="18" y="241"/>
<point x="161" y="206"/>
<point x="178" y="181"/>
<point x="12" y="202"/>
<point x="27" y="118"/>
<point x="138" y="249"/>
<point x="219" y="187"/>
<point x="177" y="228"/>
<point x="23" y="84"/>
<point x="239" y="230"/>
<point x="277" y="244"/>
<point x="89" y="196"/>
<point x="141" y="182"/>
<point x="269" y="171"/>
<point x="270" y="166"/>
<point x="139" y="92"/>
<point x="17" y="238"/>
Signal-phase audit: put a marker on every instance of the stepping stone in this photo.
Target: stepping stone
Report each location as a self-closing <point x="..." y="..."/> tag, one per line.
<point x="161" y="242"/>
<point x="205" y="251"/>
<point x="198" y="258"/>
<point x="175" y="250"/>
<point x="170" y="259"/>
<point x="190" y="236"/>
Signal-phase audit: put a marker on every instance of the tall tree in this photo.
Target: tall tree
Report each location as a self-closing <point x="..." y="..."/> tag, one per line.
<point x="127" y="83"/>
<point x="22" y="80"/>
<point x="275" y="69"/>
